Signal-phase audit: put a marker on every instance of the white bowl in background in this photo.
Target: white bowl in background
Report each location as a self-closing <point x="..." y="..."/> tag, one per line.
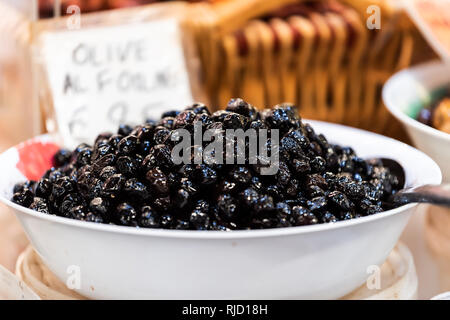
<point x="408" y="91"/>
<point x="324" y="261"/>
<point x="442" y="296"/>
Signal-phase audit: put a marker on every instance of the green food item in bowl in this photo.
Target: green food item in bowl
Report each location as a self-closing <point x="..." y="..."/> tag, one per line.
<point x="426" y="102"/>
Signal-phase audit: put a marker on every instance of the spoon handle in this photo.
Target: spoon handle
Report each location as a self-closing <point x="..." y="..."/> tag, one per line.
<point x="433" y="194"/>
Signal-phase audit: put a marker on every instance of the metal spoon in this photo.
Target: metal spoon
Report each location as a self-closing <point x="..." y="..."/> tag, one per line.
<point x="434" y="194"/>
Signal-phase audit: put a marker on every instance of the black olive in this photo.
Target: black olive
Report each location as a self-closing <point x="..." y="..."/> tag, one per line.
<point x="130" y="178"/>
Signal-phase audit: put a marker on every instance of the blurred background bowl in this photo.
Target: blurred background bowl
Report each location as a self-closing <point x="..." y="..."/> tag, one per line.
<point x="406" y="93"/>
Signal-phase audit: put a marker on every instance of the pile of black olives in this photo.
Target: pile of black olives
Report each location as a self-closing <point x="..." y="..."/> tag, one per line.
<point x="130" y="179"/>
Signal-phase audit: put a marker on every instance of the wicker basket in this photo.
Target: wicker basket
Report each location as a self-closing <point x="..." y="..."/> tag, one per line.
<point x="317" y="54"/>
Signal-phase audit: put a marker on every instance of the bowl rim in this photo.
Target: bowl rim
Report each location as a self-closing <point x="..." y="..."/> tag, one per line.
<point x="428" y="67"/>
<point x="234" y="234"/>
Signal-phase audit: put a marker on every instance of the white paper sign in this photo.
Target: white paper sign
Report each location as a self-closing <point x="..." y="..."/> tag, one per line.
<point x="101" y="77"/>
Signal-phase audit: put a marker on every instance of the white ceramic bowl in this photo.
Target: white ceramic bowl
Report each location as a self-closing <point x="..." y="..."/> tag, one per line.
<point x="323" y="261"/>
<point x="406" y="93"/>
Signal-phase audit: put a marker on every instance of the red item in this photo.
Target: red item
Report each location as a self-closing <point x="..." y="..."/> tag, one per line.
<point x="35" y="158"/>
